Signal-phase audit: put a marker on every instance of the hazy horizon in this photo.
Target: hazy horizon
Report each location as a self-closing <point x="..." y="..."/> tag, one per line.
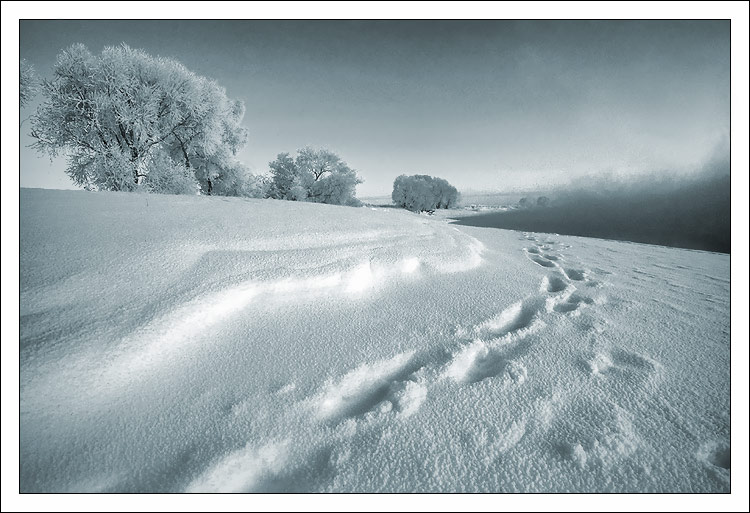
<point x="487" y="105"/>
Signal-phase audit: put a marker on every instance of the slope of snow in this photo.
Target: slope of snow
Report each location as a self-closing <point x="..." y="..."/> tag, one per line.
<point x="222" y="344"/>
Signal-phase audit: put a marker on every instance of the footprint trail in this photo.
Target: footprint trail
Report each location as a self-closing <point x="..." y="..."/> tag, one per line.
<point x="374" y="395"/>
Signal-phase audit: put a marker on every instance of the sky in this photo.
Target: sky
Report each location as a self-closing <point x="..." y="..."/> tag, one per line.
<point x="488" y="105"/>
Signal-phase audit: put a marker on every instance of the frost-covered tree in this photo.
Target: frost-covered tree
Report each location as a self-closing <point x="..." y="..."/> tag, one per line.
<point x="211" y="155"/>
<point x="255" y="186"/>
<point x="336" y="188"/>
<point x="283" y="174"/>
<point x="423" y="192"/>
<point x="313" y="175"/>
<point x="28" y="82"/>
<point x="169" y="177"/>
<point x="120" y="114"/>
<point x="237" y="180"/>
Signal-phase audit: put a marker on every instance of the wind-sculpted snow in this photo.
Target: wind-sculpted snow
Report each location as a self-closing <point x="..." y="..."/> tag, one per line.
<point x="173" y="344"/>
<point x="346" y="263"/>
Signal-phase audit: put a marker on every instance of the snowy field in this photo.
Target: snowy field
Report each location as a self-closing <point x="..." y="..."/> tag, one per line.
<point x="196" y="344"/>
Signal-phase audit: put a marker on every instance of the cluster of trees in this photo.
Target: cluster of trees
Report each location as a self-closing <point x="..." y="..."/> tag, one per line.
<point x="423" y="193"/>
<point x="313" y="175"/>
<point x="126" y="121"/>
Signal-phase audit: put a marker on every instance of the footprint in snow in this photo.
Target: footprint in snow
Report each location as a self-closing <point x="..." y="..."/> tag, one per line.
<point x="716" y="454"/>
<point x="516" y="317"/>
<point x="386" y="386"/>
<point x="581" y="275"/>
<point x="575" y="274"/>
<point x="571" y="303"/>
<point x="500" y="341"/>
<point x="594" y="433"/>
<point x="243" y="470"/>
<point x="480" y="361"/>
<point x="276" y="467"/>
<point x="639" y="365"/>
<point x="542" y="261"/>
<point x="624" y="366"/>
<point x="553" y="283"/>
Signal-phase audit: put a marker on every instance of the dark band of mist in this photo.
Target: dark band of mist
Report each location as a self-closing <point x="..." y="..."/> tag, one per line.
<point x="484" y="104"/>
<point x="661" y="208"/>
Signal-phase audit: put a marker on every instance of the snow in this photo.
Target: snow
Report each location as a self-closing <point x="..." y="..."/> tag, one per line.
<point x="202" y="344"/>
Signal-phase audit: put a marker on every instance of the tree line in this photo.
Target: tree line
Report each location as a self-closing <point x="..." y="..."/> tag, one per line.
<point x="125" y="121"/>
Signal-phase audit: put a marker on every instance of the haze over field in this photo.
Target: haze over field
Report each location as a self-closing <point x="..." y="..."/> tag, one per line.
<point x="660" y="209"/>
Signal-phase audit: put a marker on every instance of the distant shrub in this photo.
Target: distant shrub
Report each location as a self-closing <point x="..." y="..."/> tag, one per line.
<point x="318" y="176"/>
<point x="525" y="203"/>
<point x="423" y="193"/>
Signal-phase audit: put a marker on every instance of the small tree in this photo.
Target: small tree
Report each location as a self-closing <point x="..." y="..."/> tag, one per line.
<point x="313" y="175"/>
<point x="337" y="188"/>
<point x="283" y="173"/>
<point x="423" y="192"/>
<point x="120" y="114"/>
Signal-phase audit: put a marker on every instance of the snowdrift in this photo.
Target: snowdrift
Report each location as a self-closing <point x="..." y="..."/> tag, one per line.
<point x="194" y="344"/>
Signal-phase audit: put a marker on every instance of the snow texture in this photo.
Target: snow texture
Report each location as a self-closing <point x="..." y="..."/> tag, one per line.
<point x="204" y="344"/>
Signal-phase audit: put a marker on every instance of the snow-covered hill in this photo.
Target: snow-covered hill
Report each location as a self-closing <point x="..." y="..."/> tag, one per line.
<point x="225" y="344"/>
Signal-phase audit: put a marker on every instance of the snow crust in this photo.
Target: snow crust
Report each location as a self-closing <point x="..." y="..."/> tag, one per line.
<point x="194" y="344"/>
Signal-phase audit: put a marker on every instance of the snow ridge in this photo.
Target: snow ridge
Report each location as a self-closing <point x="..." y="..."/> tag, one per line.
<point x="376" y="394"/>
<point x="393" y="259"/>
